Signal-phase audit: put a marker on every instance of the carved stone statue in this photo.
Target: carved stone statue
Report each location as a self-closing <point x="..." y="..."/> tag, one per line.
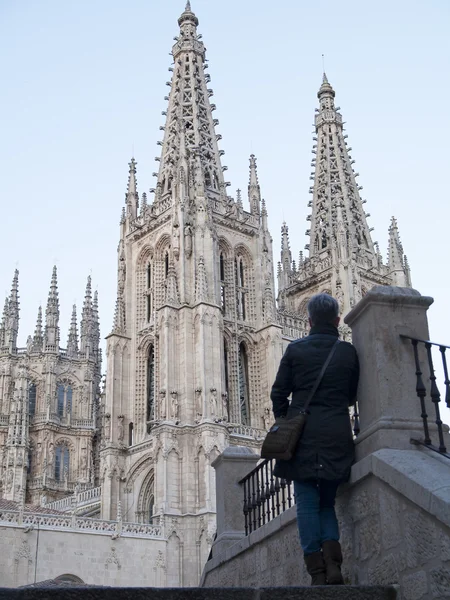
<point x="162" y="404"/>
<point x="267" y="418"/>
<point x="174" y="405"/>
<point x="188" y="240"/>
<point x="225" y="406"/>
<point x="51" y="454"/>
<point x="120" y="429"/>
<point x="213" y="402"/>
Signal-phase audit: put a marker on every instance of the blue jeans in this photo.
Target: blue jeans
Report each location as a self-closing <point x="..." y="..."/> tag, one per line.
<point x="316" y="516"/>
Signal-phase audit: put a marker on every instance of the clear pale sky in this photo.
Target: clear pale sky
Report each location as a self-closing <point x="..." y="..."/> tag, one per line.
<point x="84" y="85"/>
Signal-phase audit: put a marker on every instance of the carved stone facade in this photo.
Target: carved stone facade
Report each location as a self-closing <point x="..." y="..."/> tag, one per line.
<point x="48" y="402"/>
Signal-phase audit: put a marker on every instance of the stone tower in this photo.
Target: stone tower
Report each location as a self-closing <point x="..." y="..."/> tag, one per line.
<point x="343" y="260"/>
<point x="48" y="400"/>
<point x="195" y="343"/>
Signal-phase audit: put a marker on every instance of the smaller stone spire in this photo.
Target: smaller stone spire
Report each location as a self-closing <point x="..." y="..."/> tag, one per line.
<point x="239" y="199"/>
<point x="3" y="322"/>
<point x="269" y="303"/>
<point x="132" y="197"/>
<point x="86" y="341"/>
<point x="12" y="317"/>
<point x="38" y="338"/>
<point x="72" y="341"/>
<point x="254" y="191"/>
<point x="396" y="262"/>
<point x="188" y="7"/>
<point x="201" y="287"/>
<point x="119" y="318"/>
<point x="286" y="255"/>
<point x="96" y="321"/>
<point x="51" y="335"/>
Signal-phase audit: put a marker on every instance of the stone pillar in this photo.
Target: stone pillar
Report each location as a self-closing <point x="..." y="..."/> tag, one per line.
<point x="231" y="466"/>
<point x="388" y="404"/>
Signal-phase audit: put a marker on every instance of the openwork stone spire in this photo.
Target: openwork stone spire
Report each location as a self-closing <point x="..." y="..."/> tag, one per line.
<point x="51" y="336"/>
<point x="11" y="316"/>
<point x="171" y="286"/>
<point x="190" y="127"/>
<point x="337" y="218"/>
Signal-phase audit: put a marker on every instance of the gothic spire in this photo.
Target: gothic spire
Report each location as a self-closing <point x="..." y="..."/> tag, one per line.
<point x="171" y="286"/>
<point x="286" y="254"/>
<point x="132" y="197"/>
<point x="396" y="258"/>
<point x="338" y="219"/>
<point x="254" y="192"/>
<point x="119" y="317"/>
<point x="86" y="329"/>
<point x="12" y="315"/>
<point x="72" y="341"/>
<point x="96" y="321"/>
<point x="190" y="127"/>
<point x="38" y="338"/>
<point x="3" y="322"/>
<point x="51" y="335"/>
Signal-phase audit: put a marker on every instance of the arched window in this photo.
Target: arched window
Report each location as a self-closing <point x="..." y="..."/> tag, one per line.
<point x="222" y="282"/>
<point x="62" y="463"/>
<point x="130" y="434"/>
<point x="149" y="307"/>
<point x="32" y="399"/>
<point x="166" y="264"/>
<point x="64" y="398"/>
<point x="151" y="509"/>
<point x="241" y="291"/>
<point x="151" y="383"/>
<point x="243" y="385"/>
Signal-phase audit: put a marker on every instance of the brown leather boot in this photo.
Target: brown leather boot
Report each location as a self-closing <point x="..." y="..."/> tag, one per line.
<point x="332" y="556"/>
<point x="316" y="568"/>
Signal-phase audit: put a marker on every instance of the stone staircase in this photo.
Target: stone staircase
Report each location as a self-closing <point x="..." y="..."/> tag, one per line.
<point x="280" y="593"/>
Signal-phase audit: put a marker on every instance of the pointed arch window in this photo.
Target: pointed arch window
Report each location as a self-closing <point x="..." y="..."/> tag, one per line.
<point x="149" y="292"/>
<point x="130" y="434"/>
<point x="243" y="385"/>
<point x="166" y="264"/>
<point x="151" y="508"/>
<point x="222" y="282"/>
<point x="151" y="383"/>
<point x="64" y="399"/>
<point x="62" y="463"/>
<point x="32" y="399"/>
<point x="240" y="288"/>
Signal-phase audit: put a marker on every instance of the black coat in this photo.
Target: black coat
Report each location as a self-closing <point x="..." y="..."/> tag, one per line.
<point x="326" y="449"/>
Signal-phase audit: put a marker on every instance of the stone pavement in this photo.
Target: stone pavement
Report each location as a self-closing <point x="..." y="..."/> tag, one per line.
<point x="287" y="593"/>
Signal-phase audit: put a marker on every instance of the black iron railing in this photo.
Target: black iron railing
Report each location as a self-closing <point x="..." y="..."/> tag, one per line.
<point x="265" y="496"/>
<point x="434" y="394"/>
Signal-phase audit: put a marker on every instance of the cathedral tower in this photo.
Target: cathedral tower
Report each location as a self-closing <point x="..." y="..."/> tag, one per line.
<point x="343" y="260"/>
<point x="195" y="343"/>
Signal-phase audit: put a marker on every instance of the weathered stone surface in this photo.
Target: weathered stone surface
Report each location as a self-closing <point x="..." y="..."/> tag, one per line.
<point x="440" y="582"/>
<point x="415" y="586"/>
<point x="385" y="572"/>
<point x="420" y="536"/>
<point x="390" y="510"/>
<point x="368" y="537"/>
<point x="318" y="593"/>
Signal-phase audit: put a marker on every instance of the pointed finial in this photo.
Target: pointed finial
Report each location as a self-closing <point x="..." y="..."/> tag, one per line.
<point x="188" y="6"/>
<point x="239" y="198"/>
<point x="325" y="78"/>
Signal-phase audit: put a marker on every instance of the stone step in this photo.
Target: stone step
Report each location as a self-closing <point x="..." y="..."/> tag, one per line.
<point x="288" y="593"/>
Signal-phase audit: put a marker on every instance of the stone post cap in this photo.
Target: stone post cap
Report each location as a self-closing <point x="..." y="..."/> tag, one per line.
<point x="235" y="453"/>
<point x="389" y="294"/>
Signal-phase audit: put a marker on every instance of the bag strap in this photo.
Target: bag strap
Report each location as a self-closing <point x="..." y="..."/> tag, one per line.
<point x="319" y="378"/>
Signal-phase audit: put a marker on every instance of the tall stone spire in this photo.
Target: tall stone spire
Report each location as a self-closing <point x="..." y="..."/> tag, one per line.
<point x="38" y="338"/>
<point x="190" y="128"/>
<point x="337" y="218"/>
<point x="51" y="335"/>
<point x="132" y="196"/>
<point x="12" y="317"/>
<point x="86" y="329"/>
<point x="172" y="296"/>
<point x="397" y="262"/>
<point x="3" y="322"/>
<point x="72" y="341"/>
<point x="254" y="192"/>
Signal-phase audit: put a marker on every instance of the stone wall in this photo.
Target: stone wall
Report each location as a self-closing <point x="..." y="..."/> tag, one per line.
<point x="28" y="556"/>
<point x="395" y="529"/>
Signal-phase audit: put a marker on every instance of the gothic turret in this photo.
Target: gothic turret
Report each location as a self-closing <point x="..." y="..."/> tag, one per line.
<point x="397" y="261"/>
<point x="11" y="326"/>
<point x="72" y="340"/>
<point x="51" y="334"/>
<point x="87" y="328"/>
<point x="254" y="192"/>
<point x="132" y="197"/>
<point x="38" y="338"/>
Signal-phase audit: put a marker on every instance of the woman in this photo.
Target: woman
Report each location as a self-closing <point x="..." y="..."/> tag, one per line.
<point x="325" y="453"/>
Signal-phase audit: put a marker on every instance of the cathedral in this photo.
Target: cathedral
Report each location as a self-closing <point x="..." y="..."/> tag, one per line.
<point x="198" y="332"/>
